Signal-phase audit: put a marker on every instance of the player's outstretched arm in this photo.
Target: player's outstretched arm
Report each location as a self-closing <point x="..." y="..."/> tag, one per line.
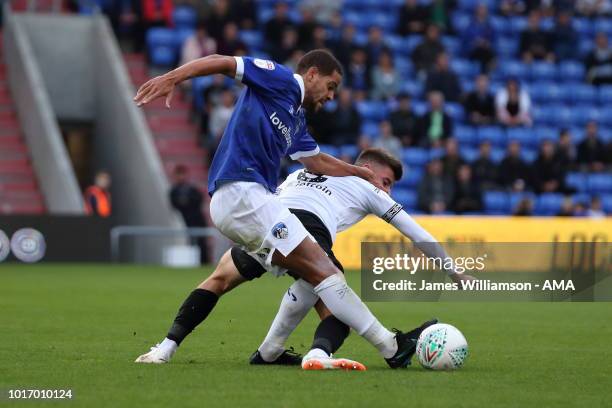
<point x="163" y="85"/>
<point x="323" y="163"/>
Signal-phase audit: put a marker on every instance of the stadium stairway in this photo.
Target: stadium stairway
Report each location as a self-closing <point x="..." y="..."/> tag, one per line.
<point x="175" y="137"/>
<point x="19" y="191"/>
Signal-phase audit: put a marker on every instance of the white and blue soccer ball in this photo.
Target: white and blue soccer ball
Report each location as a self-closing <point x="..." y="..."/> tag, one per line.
<point x="441" y="347"/>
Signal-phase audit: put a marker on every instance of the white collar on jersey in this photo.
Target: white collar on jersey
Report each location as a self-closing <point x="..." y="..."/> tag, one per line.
<point x="300" y="81"/>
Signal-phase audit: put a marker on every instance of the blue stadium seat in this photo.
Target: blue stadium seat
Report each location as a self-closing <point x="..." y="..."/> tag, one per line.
<point x="406" y="197"/>
<point x="198" y="85"/>
<point x="455" y="111"/>
<point x="514" y="69"/>
<point x="548" y="204"/>
<point x="452" y="45"/>
<point x="436" y="153"/>
<point x="162" y="56"/>
<point x="497" y="154"/>
<point x="515" y="198"/>
<point x="605" y="134"/>
<point x="465" y="68"/>
<point x="600" y="183"/>
<point x="603" y="24"/>
<point x="349" y="150"/>
<point x="500" y="25"/>
<point x="577" y="181"/>
<point x="252" y="38"/>
<point x="583" y="26"/>
<point x="461" y="21"/>
<point x="415" y="156"/>
<point x="330" y="149"/>
<point x="606" y="116"/>
<point x="158" y="36"/>
<point x="185" y="17"/>
<point x="466" y="135"/>
<point x="585" y="45"/>
<point x="370" y="128"/>
<point x="412" y="177"/>
<point x="525" y="136"/>
<point x="414" y="88"/>
<point x="404" y="66"/>
<point x="469" y="154"/>
<point x="496" y="202"/>
<point x="181" y="35"/>
<point x="585" y="113"/>
<point x="419" y="107"/>
<point x="545" y="133"/>
<point x="581" y="93"/>
<point x="493" y="134"/>
<point x="606" y="201"/>
<point x="571" y="71"/>
<point x="542" y="71"/>
<point x="529" y="155"/>
<point x="373" y="110"/>
<point x="507" y="47"/>
<point x="582" y="198"/>
<point x="518" y="24"/>
<point x="553" y="115"/>
<point x="604" y="94"/>
<point x="546" y="92"/>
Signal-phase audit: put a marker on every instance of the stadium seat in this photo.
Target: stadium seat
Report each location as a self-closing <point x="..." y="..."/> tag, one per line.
<point x="198" y="85"/>
<point x="580" y="93"/>
<point x="162" y="56"/>
<point x="582" y="198"/>
<point x="349" y="150"/>
<point x="251" y="38"/>
<point x="406" y="197"/>
<point x="372" y="110"/>
<point x="599" y="183"/>
<point x="518" y="24"/>
<point x="465" y="68"/>
<point x="496" y="202"/>
<point x="415" y="156"/>
<point x="455" y="111"/>
<point x="514" y="69"/>
<point x="606" y="116"/>
<point x="571" y="71"/>
<point x="524" y="136"/>
<point x="413" y="88"/>
<point x="605" y="134"/>
<point x="606" y="201"/>
<point x="548" y="204"/>
<point x="419" y="107"/>
<point x="583" y="26"/>
<point x="493" y="134"/>
<point x="515" y="198"/>
<point x="500" y="25"/>
<point x="603" y="24"/>
<point x="497" y="154"/>
<point x="542" y="71"/>
<point x="604" y="94"/>
<point x="451" y="45"/>
<point x="181" y="35"/>
<point x="185" y="17"/>
<point x="469" y="154"/>
<point x="546" y="92"/>
<point x="466" y="135"/>
<point x="545" y="133"/>
<point x="461" y="21"/>
<point x="507" y="47"/>
<point x="529" y="155"/>
<point x="412" y="177"/>
<point x="581" y="114"/>
<point x="404" y="67"/>
<point x="330" y="149"/>
<point x="436" y="153"/>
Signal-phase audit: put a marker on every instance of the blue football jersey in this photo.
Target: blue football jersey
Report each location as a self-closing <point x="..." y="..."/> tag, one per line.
<point x="267" y="124"/>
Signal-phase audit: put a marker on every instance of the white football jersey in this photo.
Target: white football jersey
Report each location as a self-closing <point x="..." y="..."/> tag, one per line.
<point x="340" y="202"/>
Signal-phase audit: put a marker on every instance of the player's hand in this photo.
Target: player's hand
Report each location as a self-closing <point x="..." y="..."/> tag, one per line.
<point x="459" y="277"/>
<point x="155" y="88"/>
<point x="369" y="176"/>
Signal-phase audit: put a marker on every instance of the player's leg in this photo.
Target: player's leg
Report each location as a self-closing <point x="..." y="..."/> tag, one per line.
<point x="198" y="305"/>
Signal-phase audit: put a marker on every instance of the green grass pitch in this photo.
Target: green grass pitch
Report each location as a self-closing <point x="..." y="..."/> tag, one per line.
<point x="82" y="326"/>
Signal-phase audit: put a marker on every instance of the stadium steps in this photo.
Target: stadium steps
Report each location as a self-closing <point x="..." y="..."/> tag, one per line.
<point x="175" y="137"/>
<point x="19" y="192"/>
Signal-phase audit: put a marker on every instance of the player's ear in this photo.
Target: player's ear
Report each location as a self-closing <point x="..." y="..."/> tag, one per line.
<point x="312" y="73"/>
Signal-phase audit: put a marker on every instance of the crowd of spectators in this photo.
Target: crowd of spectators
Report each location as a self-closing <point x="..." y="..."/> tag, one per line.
<point x="419" y="116"/>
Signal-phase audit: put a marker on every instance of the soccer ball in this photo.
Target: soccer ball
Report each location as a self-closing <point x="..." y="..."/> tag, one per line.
<point x="441" y="347"/>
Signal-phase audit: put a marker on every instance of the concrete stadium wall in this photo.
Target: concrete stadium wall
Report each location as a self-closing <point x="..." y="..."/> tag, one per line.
<point x="49" y="157"/>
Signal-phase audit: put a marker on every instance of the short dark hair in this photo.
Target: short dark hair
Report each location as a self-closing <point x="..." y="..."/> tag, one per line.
<point x="322" y="59"/>
<point x="381" y="156"/>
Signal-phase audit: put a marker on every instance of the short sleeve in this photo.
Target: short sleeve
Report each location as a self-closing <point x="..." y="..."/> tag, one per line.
<point x="305" y="146"/>
<point x="265" y="76"/>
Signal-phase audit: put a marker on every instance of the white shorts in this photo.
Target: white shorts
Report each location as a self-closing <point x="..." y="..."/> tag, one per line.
<point x="254" y="218"/>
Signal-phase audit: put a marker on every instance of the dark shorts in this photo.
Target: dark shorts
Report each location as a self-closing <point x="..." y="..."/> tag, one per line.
<point x="250" y="269"/>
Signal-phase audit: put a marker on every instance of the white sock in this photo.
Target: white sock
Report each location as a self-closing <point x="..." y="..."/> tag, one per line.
<point x="296" y="304"/>
<point x="382" y="339"/>
<point x="316" y="353"/>
<point x="348" y="308"/>
<point x="169" y="345"/>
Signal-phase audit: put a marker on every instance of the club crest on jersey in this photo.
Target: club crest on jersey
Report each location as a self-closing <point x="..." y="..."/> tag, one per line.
<point x="264" y="64"/>
<point x="280" y="231"/>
